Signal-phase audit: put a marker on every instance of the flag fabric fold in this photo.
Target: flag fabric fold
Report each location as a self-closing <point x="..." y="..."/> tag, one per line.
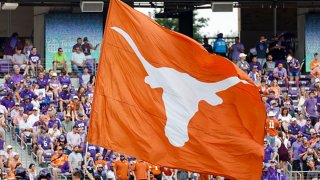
<point x="160" y="97"/>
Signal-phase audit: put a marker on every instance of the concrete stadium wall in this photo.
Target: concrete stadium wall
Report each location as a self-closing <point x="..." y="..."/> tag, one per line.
<point x="20" y="20"/>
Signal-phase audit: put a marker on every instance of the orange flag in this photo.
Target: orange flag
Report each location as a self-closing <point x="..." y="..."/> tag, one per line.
<point x="161" y="97"/>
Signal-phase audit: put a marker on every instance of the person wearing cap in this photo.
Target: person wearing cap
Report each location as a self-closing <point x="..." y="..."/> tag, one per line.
<point x="60" y="59"/>
<point x="87" y="47"/>
<point x="313" y="138"/>
<point x="19" y="59"/>
<point x="242" y="63"/>
<point x="78" y="60"/>
<point x="274" y="107"/>
<point x="293" y="69"/>
<point x="310" y="107"/>
<point x="67" y="124"/>
<point x="26" y="104"/>
<point x="272" y="125"/>
<point x="82" y="122"/>
<point x="26" y="91"/>
<point x="100" y="172"/>
<point x="220" y="46"/>
<point x="272" y="170"/>
<point x="44" y="145"/>
<point x="8" y="101"/>
<point x="14" y="110"/>
<point x="254" y="75"/>
<point x="34" y="117"/>
<point x="294" y="154"/>
<point x="14" y="161"/>
<point x="306" y="129"/>
<point x="16" y="76"/>
<point x="54" y="85"/>
<point x="121" y="168"/>
<point x="58" y="160"/>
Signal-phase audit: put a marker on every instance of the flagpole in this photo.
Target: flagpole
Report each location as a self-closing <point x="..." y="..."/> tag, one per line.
<point x="85" y="156"/>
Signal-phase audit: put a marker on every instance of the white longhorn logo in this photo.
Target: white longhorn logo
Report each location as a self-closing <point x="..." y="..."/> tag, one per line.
<point x="181" y="94"/>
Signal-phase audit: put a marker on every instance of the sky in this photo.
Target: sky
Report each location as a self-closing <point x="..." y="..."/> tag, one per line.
<point x="225" y="22"/>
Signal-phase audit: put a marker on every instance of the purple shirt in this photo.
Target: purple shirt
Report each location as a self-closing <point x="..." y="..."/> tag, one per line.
<point x="82" y="124"/>
<point x="9" y="84"/>
<point x="236" y="51"/>
<point x="255" y="64"/>
<point x="1" y="143"/>
<point x="27" y="107"/>
<point x="16" y="78"/>
<point x="87" y="109"/>
<point x="281" y="73"/>
<point x="52" y="122"/>
<point x="272" y="173"/>
<point x="93" y="149"/>
<point x="25" y="93"/>
<point x="267" y="154"/>
<point x="301" y="150"/>
<point x="294" y="129"/>
<point x="65" y="80"/>
<point x="44" y="142"/>
<point x="42" y="83"/>
<point x="295" y="147"/>
<point x="34" y="58"/>
<point x="7" y="102"/>
<point x="310" y="105"/>
<point x="292" y="66"/>
<point x="64" y="95"/>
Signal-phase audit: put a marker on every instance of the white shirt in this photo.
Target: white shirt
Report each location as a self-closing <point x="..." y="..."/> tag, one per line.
<point x="35" y="104"/>
<point x="3" y="108"/>
<point x="73" y="139"/>
<point x="54" y="134"/>
<point x="24" y="125"/>
<point x="79" y="58"/>
<point x="32" y="119"/>
<point x="85" y="79"/>
<point x="301" y="123"/>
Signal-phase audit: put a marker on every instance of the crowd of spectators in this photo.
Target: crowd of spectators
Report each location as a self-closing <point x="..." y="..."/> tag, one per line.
<point x="292" y="103"/>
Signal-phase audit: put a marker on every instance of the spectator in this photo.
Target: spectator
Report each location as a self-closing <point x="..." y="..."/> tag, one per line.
<point x="100" y="161"/>
<point x="34" y="62"/>
<point x="310" y="107"/>
<point x="294" y="128"/>
<point x="10" y="174"/>
<point x="75" y="159"/>
<point x="8" y="101"/>
<point x="58" y="161"/>
<point x="15" y="161"/>
<point x="220" y="46"/>
<point x="242" y="63"/>
<point x="54" y="85"/>
<point x="67" y="124"/>
<point x="19" y="59"/>
<point x="293" y="69"/>
<point x="255" y="63"/>
<point x="27" y="47"/>
<point x="16" y="76"/>
<point x="14" y="111"/>
<point x="272" y="125"/>
<point x="280" y="73"/>
<point x="306" y="129"/>
<point x="42" y="81"/>
<point x="85" y="77"/>
<point x="32" y="171"/>
<point x="312" y="174"/>
<point x="11" y="45"/>
<point x="269" y="66"/>
<point x="82" y="122"/>
<point x="89" y="162"/>
<point x="272" y="171"/>
<point x="121" y="168"/>
<point x="35" y="102"/>
<point x="236" y="49"/>
<point x="26" y="93"/>
<point x="34" y="117"/>
<point x="73" y="138"/>
<point x="87" y="47"/>
<point x="78" y="45"/>
<point x="93" y="150"/>
<point x="54" y="132"/>
<point x="285" y="118"/>
<point x="92" y="80"/>
<point x="278" y="49"/>
<point x="64" y="79"/>
<point x="27" y="106"/>
<point x="254" y="74"/>
<point x="25" y="128"/>
<point x="274" y="87"/>
<point x="206" y="45"/>
<point x="87" y="106"/>
<point x="101" y="172"/>
<point x="283" y="145"/>
<point x="60" y="59"/>
<point x="294" y="154"/>
<point x="78" y="60"/>
<point x="262" y="49"/>
<point x="167" y="173"/>
<point x="8" y="84"/>
<point x="44" y="145"/>
<point x="269" y="153"/>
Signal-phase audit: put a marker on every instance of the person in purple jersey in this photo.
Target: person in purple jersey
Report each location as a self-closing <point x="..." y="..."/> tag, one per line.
<point x="8" y="101"/>
<point x="310" y="107"/>
<point x="294" y="128"/>
<point x="26" y="104"/>
<point x="81" y="122"/>
<point x="26" y="92"/>
<point x="93" y="149"/>
<point x="306" y="129"/>
<point x="280" y="73"/>
<point x="53" y="120"/>
<point x="293" y="69"/>
<point x="42" y="81"/>
<point x="268" y="152"/>
<point x="87" y="106"/>
<point x="302" y="151"/>
<point x="8" y="83"/>
<point x="34" y="61"/>
<point x="64" y="79"/>
<point x="272" y="171"/>
<point x="255" y="62"/>
<point x="54" y="85"/>
<point x="16" y="76"/>
<point x="64" y="97"/>
<point x="44" y="145"/>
